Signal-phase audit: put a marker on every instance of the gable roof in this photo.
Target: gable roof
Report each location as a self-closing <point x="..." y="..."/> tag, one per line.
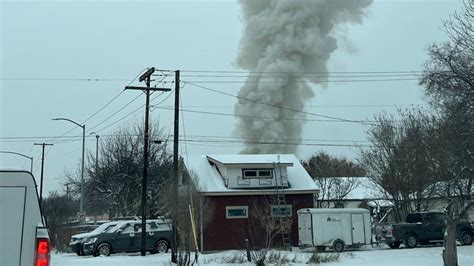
<point x="211" y="183"/>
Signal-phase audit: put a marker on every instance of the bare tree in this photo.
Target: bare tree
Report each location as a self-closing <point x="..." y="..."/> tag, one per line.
<point x="58" y="209"/>
<point x="449" y="81"/>
<point x="264" y="228"/>
<point x="399" y="161"/>
<point x="113" y="186"/>
<point x="175" y="204"/>
<point x="330" y="174"/>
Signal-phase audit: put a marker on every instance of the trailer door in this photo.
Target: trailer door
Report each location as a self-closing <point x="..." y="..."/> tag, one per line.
<point x="358" y="230"/>
<point x="305" y="230"/>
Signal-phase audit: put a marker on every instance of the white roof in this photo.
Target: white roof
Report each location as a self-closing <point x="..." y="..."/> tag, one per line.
<point x="365" y="189"/>
<point x="211" y="183"/>
<point x="334" y="210"/>
<point x="252" y="158"/>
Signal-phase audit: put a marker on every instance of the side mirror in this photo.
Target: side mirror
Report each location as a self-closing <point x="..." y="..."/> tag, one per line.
<point x="119" y="231"/>
<point x="45" y="221"/>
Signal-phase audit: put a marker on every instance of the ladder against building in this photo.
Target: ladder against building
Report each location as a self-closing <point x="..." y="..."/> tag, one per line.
<point x="284" y="217"/>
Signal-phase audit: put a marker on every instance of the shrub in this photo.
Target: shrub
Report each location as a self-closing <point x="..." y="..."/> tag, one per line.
<point x="318" y="258"/>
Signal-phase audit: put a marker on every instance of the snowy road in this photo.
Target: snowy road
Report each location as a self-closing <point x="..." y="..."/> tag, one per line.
<point x="429" y="256"/>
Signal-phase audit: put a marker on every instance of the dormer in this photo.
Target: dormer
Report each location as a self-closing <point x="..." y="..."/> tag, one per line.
<point x="251" y="171"/>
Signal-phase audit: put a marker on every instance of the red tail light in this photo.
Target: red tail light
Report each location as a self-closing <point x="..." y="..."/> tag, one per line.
<point x="42" y="252"/>
<point x="393" y="231"/>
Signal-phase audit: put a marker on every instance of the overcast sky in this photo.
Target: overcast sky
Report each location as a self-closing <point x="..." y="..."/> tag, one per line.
<point x="50" y="50"/>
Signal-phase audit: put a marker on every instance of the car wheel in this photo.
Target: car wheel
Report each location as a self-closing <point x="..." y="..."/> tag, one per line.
<point x="394" y="245"/>
<point x="104" y="249"/>
<point x="338" y="246"/>
<point x="162" y="246"/>
<point x="411" y="241"/>
<point x="466" y="238"/>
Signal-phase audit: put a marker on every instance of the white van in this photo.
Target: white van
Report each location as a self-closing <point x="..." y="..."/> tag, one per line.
<point x="24" y="237"/>
<point x="336" y="228"/>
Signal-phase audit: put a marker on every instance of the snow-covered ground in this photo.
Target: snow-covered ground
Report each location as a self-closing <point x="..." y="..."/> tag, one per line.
<point x="429" y="256"/>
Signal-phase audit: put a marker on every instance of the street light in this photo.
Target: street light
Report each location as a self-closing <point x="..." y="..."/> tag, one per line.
<point x="22" y="155"/>
<point x="81" y="206"/>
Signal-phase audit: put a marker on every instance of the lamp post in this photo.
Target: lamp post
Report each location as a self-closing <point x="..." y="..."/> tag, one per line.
<point x="22" y="155"/>
<point x="81" y="205"/>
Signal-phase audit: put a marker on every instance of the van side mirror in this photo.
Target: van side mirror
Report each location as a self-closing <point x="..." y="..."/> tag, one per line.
<point x="119" y="231"/>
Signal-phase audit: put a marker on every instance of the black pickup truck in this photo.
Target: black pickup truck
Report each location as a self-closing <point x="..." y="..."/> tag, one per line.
<point x="425" y="227"/>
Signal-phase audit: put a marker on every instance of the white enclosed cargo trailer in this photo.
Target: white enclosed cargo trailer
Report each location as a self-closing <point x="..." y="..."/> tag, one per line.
<point x="336" y="228"/>
<point x="24" y="240"/>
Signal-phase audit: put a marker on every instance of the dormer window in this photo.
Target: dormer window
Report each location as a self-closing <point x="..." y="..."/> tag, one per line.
<point x="266" y="173"/>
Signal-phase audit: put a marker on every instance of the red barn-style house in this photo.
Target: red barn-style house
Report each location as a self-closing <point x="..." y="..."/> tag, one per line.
<point x="249" y="194"/>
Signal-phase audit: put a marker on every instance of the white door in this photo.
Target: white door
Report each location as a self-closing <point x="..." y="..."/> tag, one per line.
<point x="12" y="200"/>
<point x="304" y="228"/>
<point x="358" y="229"/>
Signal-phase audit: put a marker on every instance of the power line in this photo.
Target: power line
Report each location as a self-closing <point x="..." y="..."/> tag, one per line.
<point x="103" y="107"/>
<point x="272" y="118"/>
<point x="64" y="79"/>
<point x="302" y="72"/>
<point x="79" y="137"/>
<point x="289" y="142"/>
<point x="275" y="106"/>
<point x="270" y="75"/>
<point x="114" y="113"/>
<point x="297" y="81"/>
<point x="315" y="106"/>
<point x="136" y="110"/>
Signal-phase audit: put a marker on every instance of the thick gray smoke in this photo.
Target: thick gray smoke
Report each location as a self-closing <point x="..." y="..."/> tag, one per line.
<point x="283" y="41"/>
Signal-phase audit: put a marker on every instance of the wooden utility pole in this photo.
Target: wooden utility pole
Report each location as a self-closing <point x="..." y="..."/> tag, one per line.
<point x="147" y="78"/>
<point x="174" y="250"/>
<point x="42" y="171"/>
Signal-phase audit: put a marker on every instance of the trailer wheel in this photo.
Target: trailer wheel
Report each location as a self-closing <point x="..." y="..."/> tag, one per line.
<point x="411" y="241"/>
<point x="338" y="246"/>
<point x="394" y="245"/>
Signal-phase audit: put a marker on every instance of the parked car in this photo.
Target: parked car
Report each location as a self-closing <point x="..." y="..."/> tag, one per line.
<point x="424" y="228"/>
<point x="24" y="237"/>
<point x="336" y="228"/>
<point x="78" y="240"/>
<point x="126" y="237"/>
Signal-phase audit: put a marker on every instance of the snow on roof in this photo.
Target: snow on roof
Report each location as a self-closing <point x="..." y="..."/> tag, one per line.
<point x="365" y="189"/>
<point x="210" y="181"/>
<point x="251" y="158"/>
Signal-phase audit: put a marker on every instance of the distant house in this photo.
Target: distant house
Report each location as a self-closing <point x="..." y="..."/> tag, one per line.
<point x="362" y="192"/>
<point x="352" y="192"/>
<point x="243" y="190"/>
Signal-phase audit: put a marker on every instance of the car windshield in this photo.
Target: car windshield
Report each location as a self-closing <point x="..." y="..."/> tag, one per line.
<point x="103" y="228"/>
<point x="116" y="227"/>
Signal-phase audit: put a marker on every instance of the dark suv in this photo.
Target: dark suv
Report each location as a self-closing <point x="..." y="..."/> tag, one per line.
<point x="126" y="237"/>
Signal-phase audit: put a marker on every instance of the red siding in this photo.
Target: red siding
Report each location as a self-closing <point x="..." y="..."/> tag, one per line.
<point x="222" y="233"/>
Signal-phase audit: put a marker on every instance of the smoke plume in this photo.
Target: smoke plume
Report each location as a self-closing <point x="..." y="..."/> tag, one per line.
<point x="282" y="42"/>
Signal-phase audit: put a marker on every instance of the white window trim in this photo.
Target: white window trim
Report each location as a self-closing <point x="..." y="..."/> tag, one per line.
<point x="283" y="206"/>
<point x="227" y="208"/>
